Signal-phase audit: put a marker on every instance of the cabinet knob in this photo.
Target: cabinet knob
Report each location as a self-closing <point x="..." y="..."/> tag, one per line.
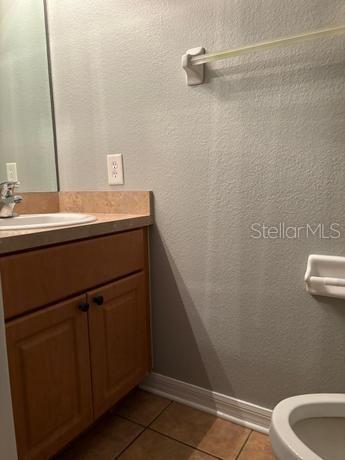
<point x="83" y="306"/>
<point x="99" y="300"/>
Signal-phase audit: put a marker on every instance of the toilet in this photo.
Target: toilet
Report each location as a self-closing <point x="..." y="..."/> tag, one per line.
<point x="309" y="427"/>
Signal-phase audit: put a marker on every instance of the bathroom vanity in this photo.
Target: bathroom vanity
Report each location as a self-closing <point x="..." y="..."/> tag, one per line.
<point x="77" y="324"/>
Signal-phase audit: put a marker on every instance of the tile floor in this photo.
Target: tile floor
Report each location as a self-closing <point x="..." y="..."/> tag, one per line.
<point x="147" y="427"/>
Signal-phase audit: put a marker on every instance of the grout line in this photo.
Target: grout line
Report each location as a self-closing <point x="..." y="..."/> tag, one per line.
<point x="161" y="412"/>
<point x="243" y="446"/>
<point x="141" y="424"/>
<point x="80" y="440"/>
<point x="185" y="443"/>
<point x="130" y="420"/>
<point x="129" y="445"/>
<point x="145" y="428"/>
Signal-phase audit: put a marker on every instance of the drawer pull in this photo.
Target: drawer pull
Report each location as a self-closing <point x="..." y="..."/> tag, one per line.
<point x="99" y="300"/>
<point x="83" y="306"/>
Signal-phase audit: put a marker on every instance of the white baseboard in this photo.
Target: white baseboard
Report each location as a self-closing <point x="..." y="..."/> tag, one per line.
<point x="241" y="412"/>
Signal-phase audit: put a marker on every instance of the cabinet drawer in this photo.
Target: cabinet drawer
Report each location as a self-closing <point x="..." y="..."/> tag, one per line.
<point x="33" y="279"/>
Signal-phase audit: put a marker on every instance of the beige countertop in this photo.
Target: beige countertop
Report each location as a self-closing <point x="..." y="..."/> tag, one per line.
<point x="21" y="240"/>
<point x="112" y="219"/>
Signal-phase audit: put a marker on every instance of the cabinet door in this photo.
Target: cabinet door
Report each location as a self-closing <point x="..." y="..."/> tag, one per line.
<point x="119" y="339"/>
<point x="49" y="365"/>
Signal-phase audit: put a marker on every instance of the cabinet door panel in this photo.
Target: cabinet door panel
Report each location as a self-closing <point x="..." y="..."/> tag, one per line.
<point x="119" y="339"/>
<point x="49" y="365"/>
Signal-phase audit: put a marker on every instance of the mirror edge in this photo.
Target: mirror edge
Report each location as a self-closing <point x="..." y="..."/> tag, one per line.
<point x="51" y="91"/>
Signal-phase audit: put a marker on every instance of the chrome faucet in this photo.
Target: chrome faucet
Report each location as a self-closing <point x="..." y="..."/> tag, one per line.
<point x="7" y="198"/>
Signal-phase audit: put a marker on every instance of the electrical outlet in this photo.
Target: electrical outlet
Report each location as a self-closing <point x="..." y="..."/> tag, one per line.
<point x="115" y="169"/>
<point x="11" y="169"/>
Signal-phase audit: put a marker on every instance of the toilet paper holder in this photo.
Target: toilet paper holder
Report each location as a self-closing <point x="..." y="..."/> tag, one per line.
<point x="325" y="276"/>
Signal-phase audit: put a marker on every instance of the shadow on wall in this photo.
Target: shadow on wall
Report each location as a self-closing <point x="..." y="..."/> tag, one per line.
<point x="178" y="328"/>
<point x="334" y="308"/>
<point x="266" y="74"/>
<point x="179" y="331"/>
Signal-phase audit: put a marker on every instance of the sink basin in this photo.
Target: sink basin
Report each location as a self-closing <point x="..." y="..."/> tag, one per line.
<point x="59" y="219"/>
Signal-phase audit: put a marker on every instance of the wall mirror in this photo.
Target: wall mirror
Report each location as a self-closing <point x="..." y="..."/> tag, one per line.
<point x="27" y="137"/>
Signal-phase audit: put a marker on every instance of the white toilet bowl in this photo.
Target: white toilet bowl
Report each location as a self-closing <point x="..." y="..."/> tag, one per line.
<point x="309" y="427"/>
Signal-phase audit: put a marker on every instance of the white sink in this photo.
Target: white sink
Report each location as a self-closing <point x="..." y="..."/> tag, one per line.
<point x="59" y="219"/>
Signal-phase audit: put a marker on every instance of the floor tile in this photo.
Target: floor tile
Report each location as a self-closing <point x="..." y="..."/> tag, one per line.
<point x="142" y="407"/>
<point x="258" y="447"/>
<point x="154" y="446"/>
<point x="104" y="441"/>
<point x="213" y="435"/>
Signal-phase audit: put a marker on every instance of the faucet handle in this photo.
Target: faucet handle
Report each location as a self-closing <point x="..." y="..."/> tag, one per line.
<point x="8" y="199"/>
<point x="7" y="188"/>
<point x="10" y="182"/>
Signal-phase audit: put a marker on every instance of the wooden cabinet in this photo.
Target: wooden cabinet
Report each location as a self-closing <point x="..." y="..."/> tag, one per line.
<point x="48" y="355"/>
<point x="51" y="274"/>
<point x="119" y="340"/>
<point x="72" y="361"/>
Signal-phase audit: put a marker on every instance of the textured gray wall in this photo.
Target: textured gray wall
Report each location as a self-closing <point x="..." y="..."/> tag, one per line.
<point x="262" y="141"/>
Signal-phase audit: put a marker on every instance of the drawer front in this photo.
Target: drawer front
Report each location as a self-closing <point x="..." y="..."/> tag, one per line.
<point x="33" y="279"/>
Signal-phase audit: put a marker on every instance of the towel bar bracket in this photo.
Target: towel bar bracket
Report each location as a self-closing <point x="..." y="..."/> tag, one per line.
<point x="195" y="74"/>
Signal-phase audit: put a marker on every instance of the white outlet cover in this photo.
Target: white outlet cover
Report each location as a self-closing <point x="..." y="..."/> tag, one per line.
<point x="11" y="170"/>
<point x="115" y="169"/>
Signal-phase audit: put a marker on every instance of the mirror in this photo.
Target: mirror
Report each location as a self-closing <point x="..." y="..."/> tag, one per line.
<point x="27" y="135"/>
